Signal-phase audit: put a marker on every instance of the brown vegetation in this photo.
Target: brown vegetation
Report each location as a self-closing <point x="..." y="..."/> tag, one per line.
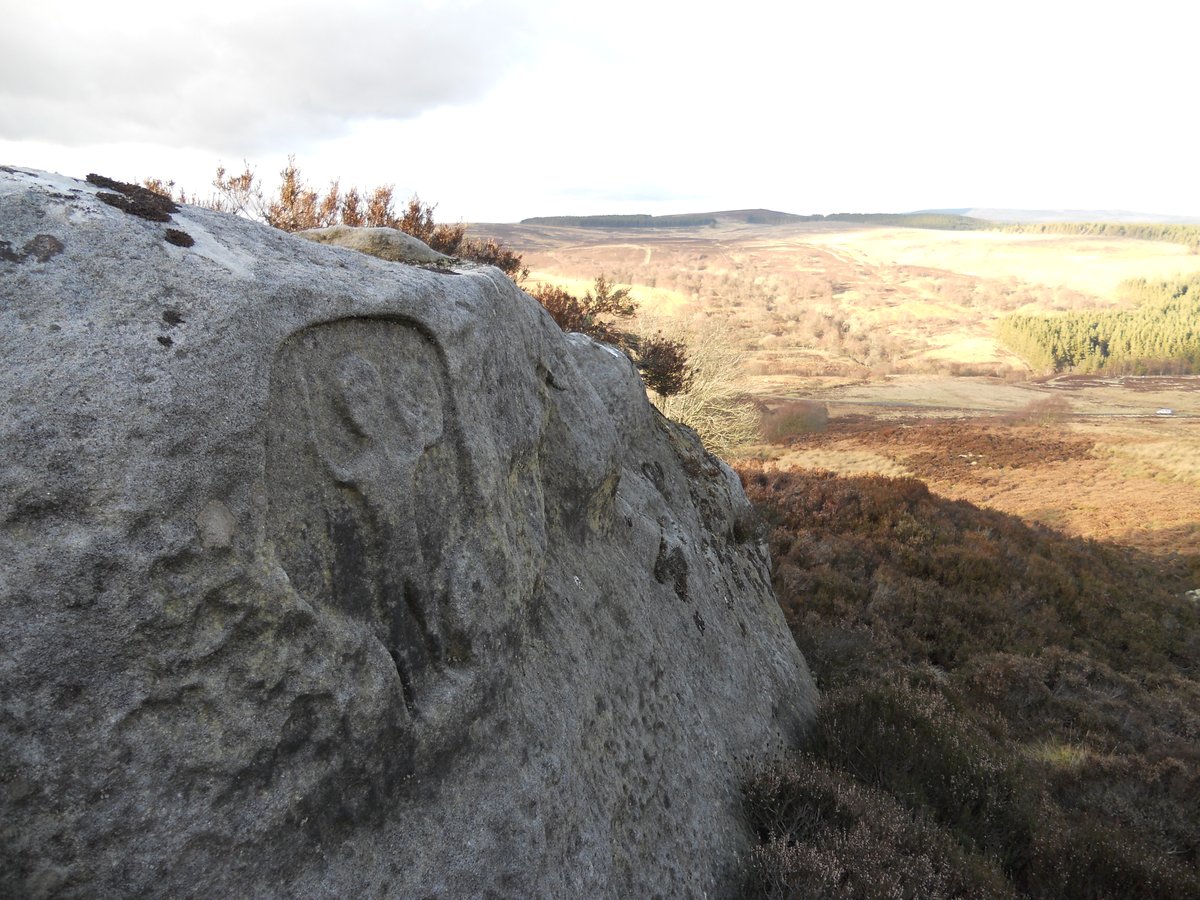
<point x="1136" y="482"/>
<point x="804" y="300"/>
<point x="603" y="313"/>
<point x="793" y="418"/>
<point x="1009" y="710"/>
<point x="597" y="313"/>
<point x="298" y="207"/>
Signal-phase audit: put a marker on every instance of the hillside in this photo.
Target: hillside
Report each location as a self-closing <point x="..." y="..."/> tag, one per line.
<point x="1065" y="215"/>
<point x="820" y="298"/>
<point x="1004" y="628"/>
<point x="1007" y="711"/>
<point x="759" y="217"/>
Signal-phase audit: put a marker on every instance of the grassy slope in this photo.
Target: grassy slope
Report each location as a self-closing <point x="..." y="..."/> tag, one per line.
<point x="805" y="298"/>
<point x="1007" y="710"/>
<point x="1131" y="481"/>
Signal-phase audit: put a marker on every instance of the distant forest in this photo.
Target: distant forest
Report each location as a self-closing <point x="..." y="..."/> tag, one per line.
<point x="941" y="221"/>
<point x="1188" y="235"/>
<point x="1161" y="336"/>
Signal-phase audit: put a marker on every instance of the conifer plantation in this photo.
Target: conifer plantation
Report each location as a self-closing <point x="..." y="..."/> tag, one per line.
<point x="1160" y="336"/>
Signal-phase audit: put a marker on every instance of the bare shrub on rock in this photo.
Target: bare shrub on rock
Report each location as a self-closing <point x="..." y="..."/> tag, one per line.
<point x="601" y="314"/>
<point x="691" y="377"/>
<point x="298" y="207"/>
<point x="713" y="404"/>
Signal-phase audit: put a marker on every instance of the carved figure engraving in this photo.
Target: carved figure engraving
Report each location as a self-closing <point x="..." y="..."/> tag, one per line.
<point x="367" y="488"/>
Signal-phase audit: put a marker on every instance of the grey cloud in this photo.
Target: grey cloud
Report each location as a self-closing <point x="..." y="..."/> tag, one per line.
<point x="242" y="81"/>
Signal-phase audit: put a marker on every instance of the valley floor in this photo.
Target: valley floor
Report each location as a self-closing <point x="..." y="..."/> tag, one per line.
<point x="1098" y="461"/>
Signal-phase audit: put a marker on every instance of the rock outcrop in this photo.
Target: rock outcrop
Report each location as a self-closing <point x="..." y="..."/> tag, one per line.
<point x="327" y="576"/>
<point x="386" y="243"/>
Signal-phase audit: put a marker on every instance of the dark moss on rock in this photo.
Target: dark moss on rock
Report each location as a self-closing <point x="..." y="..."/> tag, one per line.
<point x="179" y="238"/>
<point x="134" y="199"/>
<point x="41" y="248"/>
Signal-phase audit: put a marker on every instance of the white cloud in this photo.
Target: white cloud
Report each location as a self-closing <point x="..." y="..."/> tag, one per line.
<point x="511" y="108"/>
<point x="245" y="77"/>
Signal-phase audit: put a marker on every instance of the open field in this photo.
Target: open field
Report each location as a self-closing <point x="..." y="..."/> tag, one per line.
<point x="876" y="322"/>
<point x="831" y="299"/>
<point x="1001" y="626"/>
<point x="1093" y="266"/>
<point x="1084" y="454"/>
<point x="1085" y="395"/>
<point x="1131" y="481"/>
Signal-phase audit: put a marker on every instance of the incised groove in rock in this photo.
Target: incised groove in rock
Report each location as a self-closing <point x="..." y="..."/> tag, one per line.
<point x="368" y="490"/>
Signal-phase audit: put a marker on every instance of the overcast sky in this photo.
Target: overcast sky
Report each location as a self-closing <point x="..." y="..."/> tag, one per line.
<point x="502" y="109"/>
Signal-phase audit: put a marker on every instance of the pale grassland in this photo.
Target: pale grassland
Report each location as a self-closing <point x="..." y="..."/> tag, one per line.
<point x="824" y="298"/>
<point x="976" y="349"/>
<point x="874" y="321"/>
<point x="1091" y="265"/>
<point x="1107" y="397"/>
<point x="1164" y="450"/>
<point x="930" y="393"/>
<point x="840" y="462"/>
<point x="665" y="302"/>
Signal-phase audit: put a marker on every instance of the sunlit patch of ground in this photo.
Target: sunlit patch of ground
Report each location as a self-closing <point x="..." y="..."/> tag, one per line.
<point x="970" y="349"/>
<point x="1135" y="482"/>
<point x="1164" y="450"/>
<point x="870" y="299"/>
<point x="845" y="315"/>
<point x="1090" y="264"/>
<point x="840" y="462"/>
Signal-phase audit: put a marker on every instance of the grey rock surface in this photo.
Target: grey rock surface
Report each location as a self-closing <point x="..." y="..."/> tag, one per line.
<point x="325" y="576"/>
<point x="386" y="243"/>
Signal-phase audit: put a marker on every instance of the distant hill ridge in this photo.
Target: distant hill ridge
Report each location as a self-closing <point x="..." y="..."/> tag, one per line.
<point x="1177" y="230"/>
<point x="757" y="217"/>
<point x="963" y="218"/>
<point x="1021" y="216"/>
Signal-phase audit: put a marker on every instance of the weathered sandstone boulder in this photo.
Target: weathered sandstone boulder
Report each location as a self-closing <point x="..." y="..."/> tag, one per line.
<point x="386" y="243"/>
<point x="325" y="576"/>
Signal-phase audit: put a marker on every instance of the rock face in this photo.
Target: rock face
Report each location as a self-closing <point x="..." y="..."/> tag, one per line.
<point x="386" y="243"/>
<point x="327" y="576"/>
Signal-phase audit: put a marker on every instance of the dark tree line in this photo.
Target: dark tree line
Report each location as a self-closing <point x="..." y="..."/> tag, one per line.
<point x="1162" y="335"/>
<point x="1188" y="235"/>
